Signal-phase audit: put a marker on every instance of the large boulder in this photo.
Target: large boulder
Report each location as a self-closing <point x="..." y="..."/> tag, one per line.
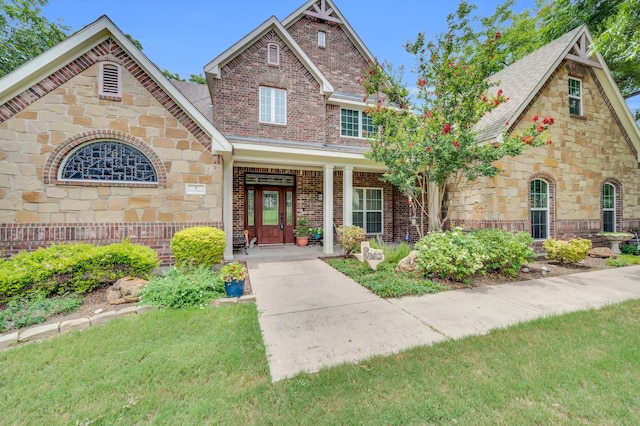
<point x="125" y="290"/>
<point x="602" y="252"/>
<point x="408" y="264"/>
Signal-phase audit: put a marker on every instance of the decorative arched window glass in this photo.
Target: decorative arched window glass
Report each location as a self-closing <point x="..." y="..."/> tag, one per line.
<point x="608" y="208"/>
<point x="539" y="208"/>
<point x="108" y="161"/>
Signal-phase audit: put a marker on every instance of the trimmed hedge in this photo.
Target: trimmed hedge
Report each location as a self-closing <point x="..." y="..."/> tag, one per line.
<point x="75" y="268"/>
<point x="198" y="246"/>
<point x="571" y="251"/>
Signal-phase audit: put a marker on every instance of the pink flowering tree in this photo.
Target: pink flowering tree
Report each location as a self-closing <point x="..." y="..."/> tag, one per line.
<point x="428" y="136"/>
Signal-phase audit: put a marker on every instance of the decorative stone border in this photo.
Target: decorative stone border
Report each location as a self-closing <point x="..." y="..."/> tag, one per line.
<point x="44" y="331"/>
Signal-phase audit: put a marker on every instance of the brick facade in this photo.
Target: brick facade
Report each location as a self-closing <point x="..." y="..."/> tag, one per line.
<point x="42" y="125"/>
<point x="587" y="151"/>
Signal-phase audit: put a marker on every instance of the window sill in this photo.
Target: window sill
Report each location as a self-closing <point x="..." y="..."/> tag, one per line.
<point x="581" y="117"/>
<point x="103" y="183"/>
<point x="272" y="124"/>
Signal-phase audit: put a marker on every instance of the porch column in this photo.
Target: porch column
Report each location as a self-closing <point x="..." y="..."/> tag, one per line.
<point x="328" y="209"/>
<point x="227" y="205"/>
<point x="347" y="196"/>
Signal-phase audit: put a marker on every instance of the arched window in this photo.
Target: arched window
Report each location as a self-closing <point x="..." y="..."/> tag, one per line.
<point x="110" y="161"/>
<point x="539" y="209"/>
<point x="608" y="207"/>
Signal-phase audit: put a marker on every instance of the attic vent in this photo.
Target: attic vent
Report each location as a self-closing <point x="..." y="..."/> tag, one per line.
<point x="273" y="54"/>
<point x="110" y="81"/>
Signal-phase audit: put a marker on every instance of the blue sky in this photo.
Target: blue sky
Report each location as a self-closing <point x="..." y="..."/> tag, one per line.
<point x="183" y="37"/>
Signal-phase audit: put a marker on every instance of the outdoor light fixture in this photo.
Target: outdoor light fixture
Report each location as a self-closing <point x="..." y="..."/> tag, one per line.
<point x="319" y="196"/>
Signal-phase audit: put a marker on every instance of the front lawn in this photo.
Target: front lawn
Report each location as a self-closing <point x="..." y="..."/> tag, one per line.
<point x="208" y="366"/>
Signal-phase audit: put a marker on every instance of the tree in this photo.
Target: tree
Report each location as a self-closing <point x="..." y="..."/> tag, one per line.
<point x="430" y="146"/>
<point x="25" y="33"/>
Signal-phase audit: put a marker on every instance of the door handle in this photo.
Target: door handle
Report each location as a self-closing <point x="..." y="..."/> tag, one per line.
<point x="281" y="221"/>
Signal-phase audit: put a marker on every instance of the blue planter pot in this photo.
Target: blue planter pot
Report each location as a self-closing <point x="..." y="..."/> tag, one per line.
<point x="234" y="288"/>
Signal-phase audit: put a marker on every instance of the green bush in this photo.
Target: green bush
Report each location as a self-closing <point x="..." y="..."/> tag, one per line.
<point x="453" y="255"/>
<point x="349" y="238"/>
<point x="393" y="253"/>
<point x="571" y="251"/>
<point x="624" y="260"/>
<point x="630" y="249"/>
<point x="505" y="251"/>
<point x="76" y="268"/>
<point x="200" y="245"/>
<point x="180" y="288"/>
<point x="23" y="312"/>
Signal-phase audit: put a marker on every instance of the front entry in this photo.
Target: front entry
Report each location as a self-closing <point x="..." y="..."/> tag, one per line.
<point x="270" y="209"/>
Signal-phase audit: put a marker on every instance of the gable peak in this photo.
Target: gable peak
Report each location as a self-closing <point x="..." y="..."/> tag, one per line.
<point x="579" y="52"/>
<point x="320" y="10"/>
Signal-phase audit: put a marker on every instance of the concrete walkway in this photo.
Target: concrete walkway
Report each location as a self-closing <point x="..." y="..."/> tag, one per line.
<point x="312" y="316"/>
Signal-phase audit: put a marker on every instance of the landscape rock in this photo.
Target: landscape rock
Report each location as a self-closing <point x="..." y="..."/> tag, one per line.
<point x="8" y="340"/>
<point x="602" y="253"/>
<point x="39" y="332"/>
<point x="408" y="264"/>
<point x="102" y="318"/>
<point x="75" y="324"/>
<point x="125" y="290"/>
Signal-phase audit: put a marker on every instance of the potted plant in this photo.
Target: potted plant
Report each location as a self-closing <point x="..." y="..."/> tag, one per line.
<point x="318" y="232"/>
<point x="302" y="231"/>
<point x="233" y="275"/>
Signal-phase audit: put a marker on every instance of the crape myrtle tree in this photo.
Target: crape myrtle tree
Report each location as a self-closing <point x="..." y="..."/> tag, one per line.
<point x="428" y="137"/>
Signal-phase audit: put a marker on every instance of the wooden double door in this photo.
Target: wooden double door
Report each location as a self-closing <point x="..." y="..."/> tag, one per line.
<point x="273" y="214"/>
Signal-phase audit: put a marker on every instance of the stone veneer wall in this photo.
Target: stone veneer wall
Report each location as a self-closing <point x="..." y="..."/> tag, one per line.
<point x="586" y="152"/>
<point x="39" y="125"/>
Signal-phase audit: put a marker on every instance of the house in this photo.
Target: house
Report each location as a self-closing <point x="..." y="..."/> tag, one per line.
<point x="97" y="145"/>
<point x="587" y="180"/>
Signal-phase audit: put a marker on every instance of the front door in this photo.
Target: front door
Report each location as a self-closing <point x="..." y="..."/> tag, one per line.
<point x="270" y="212"/>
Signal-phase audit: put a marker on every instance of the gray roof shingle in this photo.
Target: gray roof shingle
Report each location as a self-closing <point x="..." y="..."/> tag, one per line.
<point x="198" y="95"/>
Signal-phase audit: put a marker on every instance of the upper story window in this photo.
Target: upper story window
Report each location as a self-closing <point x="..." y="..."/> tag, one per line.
<point x="575" y="96"/>
<point x="356" y="124"/>
<point x="273" y="105"/>
<point x="367" y="209"/>
<point x="322" y="39"/>
<point x="108" y="161"/>
<point x="273" y="54"/>
<point x="110" y="80"/>
<point x="608" y="208"/>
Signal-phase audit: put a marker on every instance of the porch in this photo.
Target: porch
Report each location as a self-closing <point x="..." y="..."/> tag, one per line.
<point x="283" y="253"/>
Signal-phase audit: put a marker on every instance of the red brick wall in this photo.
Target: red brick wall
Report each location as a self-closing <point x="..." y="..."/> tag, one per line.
<point x="340" y="62"/>
<point x="17" y="237"/>
<point x="236" y="95"/>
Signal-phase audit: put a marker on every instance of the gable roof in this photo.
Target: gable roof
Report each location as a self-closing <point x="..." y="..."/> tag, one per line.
<point x="39" y="68"/>
<point x="198" y="95"/>
<point x="524" y="79"/>
<point x="327" y="10"/>
<point x="213" y="68"/>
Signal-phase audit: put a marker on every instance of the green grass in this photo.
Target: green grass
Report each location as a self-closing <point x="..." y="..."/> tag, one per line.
<point x="207" y="366"/>
<point x="623" y="260"/>
<point x="386" y="282"/>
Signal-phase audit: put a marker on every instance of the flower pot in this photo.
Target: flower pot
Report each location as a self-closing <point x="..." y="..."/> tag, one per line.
<point x="303" y="241"/>
<point x="235" y="288"/>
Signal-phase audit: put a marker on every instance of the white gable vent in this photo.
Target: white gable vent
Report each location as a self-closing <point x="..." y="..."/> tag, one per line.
<point x="273" y="54"/>
<point x="110" y="80"/>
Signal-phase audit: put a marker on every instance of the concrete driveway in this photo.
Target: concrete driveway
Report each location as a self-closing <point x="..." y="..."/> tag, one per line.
<point x="312" y="316"/>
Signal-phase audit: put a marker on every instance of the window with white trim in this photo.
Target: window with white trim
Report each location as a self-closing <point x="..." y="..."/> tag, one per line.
<point x="273" y="105"/>
<point x="273" y="54"/>
<point x="608" y="208"/>
<point x="367" y="209"/>
<point x="356" y="124"/>
<point x="539" y="209"/>
<point x="322" y="39"/>
<point x="575" y="96"/>
<point x="110" y="161"/>
<point x="110" y="80"/>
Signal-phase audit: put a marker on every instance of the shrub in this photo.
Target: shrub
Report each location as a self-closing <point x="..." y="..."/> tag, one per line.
<point x="76" y="268"/>
<point x="571" y="251"/>
<point x="198" y="246"/>
<point x="629" y="249"/>
<point x="393" y="253"/>
<point x="505" y="251"/>
<point x="349" y="238"/>
<point x="23" y="312"/>
<point x="453" y="255"/>
<point x="624" y="260"/>
<point x="180" y="288"/>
